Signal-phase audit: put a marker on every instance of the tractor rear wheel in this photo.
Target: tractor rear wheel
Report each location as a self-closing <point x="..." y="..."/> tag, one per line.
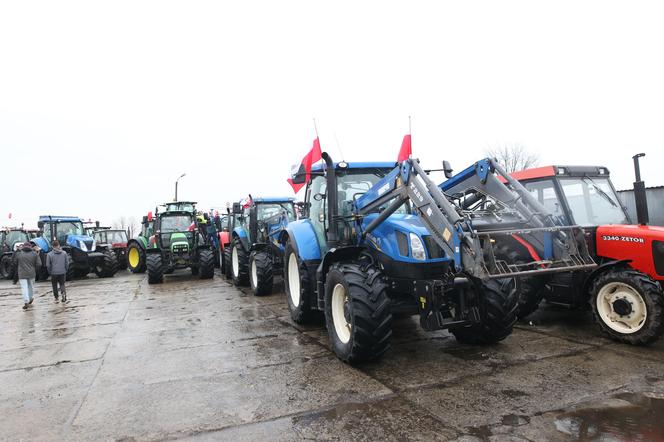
<point x="206" y="264"/>
<point x="136" y="258"/>
<point x="239" y="263"/>
<point x="155" y="268"/>
<point x="498" y="313"/>
<point x="261" y="273"/>
<point x="298" y="287"/>
<point x="108" y="266"/>
<point x="227" y="262"/>
<point x="357" y="312"/>
<point x="6" y="266"/>
<point x="628" y="306"/>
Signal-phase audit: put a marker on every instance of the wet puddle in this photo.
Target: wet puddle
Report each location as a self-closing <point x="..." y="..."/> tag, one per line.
<point x="626" y="417"/>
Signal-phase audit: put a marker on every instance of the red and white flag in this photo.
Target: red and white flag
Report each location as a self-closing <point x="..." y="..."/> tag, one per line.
<point x="300" y="174"/>
<point x="406" y="149"/>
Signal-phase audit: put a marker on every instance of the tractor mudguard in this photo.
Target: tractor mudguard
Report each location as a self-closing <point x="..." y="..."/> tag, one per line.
<point x="239" y="232"/>
<point x="41" y="243"/>
<point x="601" y="269"/>
<point x="336" y="255"/>
<point x="140" y="241"/>
<point x="304" y="238"/>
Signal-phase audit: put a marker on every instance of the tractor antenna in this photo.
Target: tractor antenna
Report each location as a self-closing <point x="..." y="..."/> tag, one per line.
<point x="343" y="158"/>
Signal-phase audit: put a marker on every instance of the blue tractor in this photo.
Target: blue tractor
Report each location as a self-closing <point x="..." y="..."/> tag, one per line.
<point x="85" y="255"/>
<point x="379" y="239"/>
<point x="255" y="253"/>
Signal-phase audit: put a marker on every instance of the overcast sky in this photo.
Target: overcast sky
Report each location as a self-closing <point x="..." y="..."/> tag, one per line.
<point x="104" y="104"/>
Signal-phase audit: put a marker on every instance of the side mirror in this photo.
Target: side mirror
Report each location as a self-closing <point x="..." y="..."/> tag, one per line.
<point x="237" y="209"/>
<point x="447" y="168"/>
<point x="319" y="196"/>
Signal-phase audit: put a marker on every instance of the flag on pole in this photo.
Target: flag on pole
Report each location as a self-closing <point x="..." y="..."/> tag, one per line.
<point x="406" y="149"/>
<point x="300" y="174"/>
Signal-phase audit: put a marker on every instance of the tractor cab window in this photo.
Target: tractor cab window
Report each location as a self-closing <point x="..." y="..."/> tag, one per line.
<point x="266" y="211"/>
<point x="592" y="201"/>
<point x="15" y="236"/>
<point x="48" y="232"/>
<point x="317" y="198"/>
<point x="68" y="228"/>
<point x="354" y="183"/>
<point x="99" y="237"/>
<point x="545" y="193"/>
<point x="116" y="237"/>
<point x="175" y="223"/>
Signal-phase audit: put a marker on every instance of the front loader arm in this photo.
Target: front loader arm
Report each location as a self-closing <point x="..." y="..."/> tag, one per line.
<point x="408" y="182"/>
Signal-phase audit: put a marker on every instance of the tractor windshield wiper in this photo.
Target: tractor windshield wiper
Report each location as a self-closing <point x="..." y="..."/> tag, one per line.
<point x="600" y="191"/>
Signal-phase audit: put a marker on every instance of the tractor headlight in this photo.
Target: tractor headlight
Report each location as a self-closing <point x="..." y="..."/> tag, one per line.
<point x="94" y="245"/>
<point x="417" y="248"/>
<point x="82" y="246"/>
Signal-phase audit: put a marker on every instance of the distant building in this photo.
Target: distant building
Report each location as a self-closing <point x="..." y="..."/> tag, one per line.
<point x="655" y="197"/>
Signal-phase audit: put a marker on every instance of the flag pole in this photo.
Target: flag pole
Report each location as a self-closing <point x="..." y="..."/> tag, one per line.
<point x="410" y="132"/>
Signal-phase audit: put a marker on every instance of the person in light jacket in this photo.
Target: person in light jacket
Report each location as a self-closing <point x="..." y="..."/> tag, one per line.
<point x="26" y="263"/>
<point x="57" y="264"/>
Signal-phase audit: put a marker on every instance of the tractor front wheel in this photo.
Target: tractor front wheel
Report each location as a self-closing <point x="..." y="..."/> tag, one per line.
<point x="298" y="287"/>
<point x="261" y="274"/>
<point x="628" y="306"/>
<point x="6" y="267"/>
<point x="239" y="263"/>
<point x="206" y="264"/>
<point x="108" y="267"/>
<point x="71" y="270"/>
<point x="136" y="258"/>
<point x="155" y="268"/>
<point x="357" y="312"/>
<point x="498" y="313"/>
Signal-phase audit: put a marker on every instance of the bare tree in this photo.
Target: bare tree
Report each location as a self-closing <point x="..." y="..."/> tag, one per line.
<point x="128" y="224"/>
<point x="513" y="157"/>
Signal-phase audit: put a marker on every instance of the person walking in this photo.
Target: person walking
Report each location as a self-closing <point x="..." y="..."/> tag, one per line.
<point x="27" y="264"/>
<point x="57" y="264"/>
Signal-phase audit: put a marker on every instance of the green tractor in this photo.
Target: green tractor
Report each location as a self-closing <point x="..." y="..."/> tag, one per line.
<point x="136" y="247"/>
<point x="178" y="243"/>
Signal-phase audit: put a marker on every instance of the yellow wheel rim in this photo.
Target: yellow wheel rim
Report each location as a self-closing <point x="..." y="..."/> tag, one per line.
<point x="134" y="257"/>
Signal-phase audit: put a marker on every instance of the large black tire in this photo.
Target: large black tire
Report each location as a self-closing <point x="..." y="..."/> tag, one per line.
<point x="530" y="289"/>
<point x="357" y="312"/>
<point x="206" y="263"/>
<point x="298" y="286"/>
<point x="239" y="263"/>
<point x="498" y="313"/>
<point x="140" y="266"/>
<point x="227" y="262"/>
<point x="155" y="268"/>
<point x="108" y="267"/>
<point x="261" y="272"/>
<point x="6" y="266"/>
<point x="618" y="297"/>
<point x="71" y="270"/>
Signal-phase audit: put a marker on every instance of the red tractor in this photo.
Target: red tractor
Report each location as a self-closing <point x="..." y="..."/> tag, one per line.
<point x="625" y="290"/>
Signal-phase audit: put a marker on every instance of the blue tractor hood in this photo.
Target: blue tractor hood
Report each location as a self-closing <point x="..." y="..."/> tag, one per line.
<point x="385" y="238"/>
<point x="76" y="240"/>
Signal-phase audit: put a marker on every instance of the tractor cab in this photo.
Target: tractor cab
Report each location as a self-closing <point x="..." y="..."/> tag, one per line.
<point x="180" y="206"/>
<point x="11" y="240"/>
<point x="581" y="195"/>
<point x="260" y="218"/>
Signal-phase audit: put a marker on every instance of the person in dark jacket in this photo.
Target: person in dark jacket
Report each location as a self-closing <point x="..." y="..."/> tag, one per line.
<point x="57" y="264"/>
<point x="26" y="263"/>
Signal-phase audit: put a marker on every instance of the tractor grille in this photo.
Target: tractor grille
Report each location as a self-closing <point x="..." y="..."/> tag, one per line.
<point x="402" y="242"/>
<point x="180" y="248"/>
<point x="88" y="244"/>
<point x="435" y="252"/>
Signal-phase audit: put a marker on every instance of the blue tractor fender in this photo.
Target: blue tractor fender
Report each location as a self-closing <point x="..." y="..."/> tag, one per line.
<point x="241" y="233"/>
<point x="303" y="237"/>
<point x="41" y="243"/>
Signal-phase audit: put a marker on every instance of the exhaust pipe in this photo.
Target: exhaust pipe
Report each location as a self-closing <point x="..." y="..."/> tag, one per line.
<point x="640" y="193"/>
